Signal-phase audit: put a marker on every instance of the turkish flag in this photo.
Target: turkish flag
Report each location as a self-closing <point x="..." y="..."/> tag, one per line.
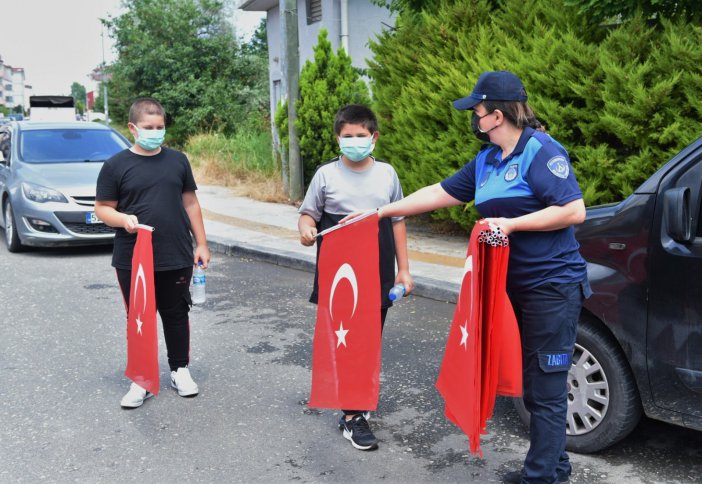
<point x="346" y="348"/>
<point x="142" y="336"/>
<point x="483" y="350"/>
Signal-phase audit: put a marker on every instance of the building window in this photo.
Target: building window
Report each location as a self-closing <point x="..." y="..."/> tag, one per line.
<point x="314" y="11"/>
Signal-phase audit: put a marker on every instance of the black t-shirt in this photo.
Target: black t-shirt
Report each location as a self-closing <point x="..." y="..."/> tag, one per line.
<point x="151" y="187"/>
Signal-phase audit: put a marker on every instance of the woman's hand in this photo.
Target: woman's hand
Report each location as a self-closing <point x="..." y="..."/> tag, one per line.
<point x="405" y="278"/>
<point x="352" y="216"/>
<point x="504" y="224"/>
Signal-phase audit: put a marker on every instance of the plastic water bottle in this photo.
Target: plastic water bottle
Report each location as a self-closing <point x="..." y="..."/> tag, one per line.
<point x="199" y="296"/>
<point x="397" y="291"/>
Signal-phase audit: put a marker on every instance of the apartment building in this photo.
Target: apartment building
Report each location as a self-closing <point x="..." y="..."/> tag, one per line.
<point x="12" y="86"/>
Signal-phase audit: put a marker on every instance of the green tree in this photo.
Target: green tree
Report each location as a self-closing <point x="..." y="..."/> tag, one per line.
<point x="258" y="44"/>
<point x="78" y="92"/>
<point x="185" y="54"/>
<point x="622" y="100"/>
<point x="99" y="104"/>
<point x="407" y="5"/>
<point x="326" y="85"/>
<point x="599" y="11"/>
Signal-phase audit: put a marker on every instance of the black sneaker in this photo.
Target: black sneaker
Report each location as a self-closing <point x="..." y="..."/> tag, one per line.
<point x="515" y="477"/>
<point x="342" y="419"/>
<point x="358" y="432"/>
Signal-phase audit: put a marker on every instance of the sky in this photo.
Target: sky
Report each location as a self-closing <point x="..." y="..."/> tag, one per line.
<point x="59" y="42"/>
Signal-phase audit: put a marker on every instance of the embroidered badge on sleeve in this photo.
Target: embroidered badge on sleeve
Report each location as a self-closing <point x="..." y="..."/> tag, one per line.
<point x="559" y="166"/>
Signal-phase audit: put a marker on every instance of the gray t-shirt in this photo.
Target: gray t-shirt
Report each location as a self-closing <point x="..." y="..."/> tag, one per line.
<point x="339" y="190"/>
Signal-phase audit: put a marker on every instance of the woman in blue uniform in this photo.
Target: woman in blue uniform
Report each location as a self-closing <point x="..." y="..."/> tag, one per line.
<point x="523" y="183"/>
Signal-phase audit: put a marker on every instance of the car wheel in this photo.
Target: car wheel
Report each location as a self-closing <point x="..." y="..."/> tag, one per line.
<point x="11" y="238"/>
<point x="604" y="404"/>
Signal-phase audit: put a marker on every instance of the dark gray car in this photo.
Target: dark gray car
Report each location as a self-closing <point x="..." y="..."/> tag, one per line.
<point x="48" y="173"/>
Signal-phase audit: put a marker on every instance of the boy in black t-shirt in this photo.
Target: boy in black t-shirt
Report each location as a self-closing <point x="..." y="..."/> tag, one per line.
<point x="154" y="185"/>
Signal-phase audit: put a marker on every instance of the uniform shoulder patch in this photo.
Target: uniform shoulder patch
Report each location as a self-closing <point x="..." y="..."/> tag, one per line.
<point x="559" y="166"/>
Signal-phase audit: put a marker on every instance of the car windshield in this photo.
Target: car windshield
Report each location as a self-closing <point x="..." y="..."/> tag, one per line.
<point x="68" y="145"/>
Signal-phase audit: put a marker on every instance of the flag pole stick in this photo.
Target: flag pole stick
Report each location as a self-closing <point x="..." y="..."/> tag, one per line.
<point x="353" y="220"/>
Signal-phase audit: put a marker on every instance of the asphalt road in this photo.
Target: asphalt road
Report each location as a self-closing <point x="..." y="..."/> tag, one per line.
<point x="62" y="357"/>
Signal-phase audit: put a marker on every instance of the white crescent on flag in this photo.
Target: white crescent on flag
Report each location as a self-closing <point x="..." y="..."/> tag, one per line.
<point x="344" y="272"/>
<point x="140" y="276"/>
<point x="467" y="267"/>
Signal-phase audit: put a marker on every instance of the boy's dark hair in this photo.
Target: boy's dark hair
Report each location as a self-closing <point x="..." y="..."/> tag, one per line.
<point x="143" y="106"/>
<point x="355" y="114"/>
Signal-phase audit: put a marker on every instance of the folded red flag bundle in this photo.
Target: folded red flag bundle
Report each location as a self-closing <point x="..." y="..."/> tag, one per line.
<point x="142" y="336"/>
<point x="346" y="348"/>
<point x="483" y="356"/>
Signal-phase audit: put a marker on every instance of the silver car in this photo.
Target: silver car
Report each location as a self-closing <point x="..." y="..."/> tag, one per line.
<point x="48" y="173"/>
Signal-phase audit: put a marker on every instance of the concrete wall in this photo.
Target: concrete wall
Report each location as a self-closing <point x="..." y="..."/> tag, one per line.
<point x="365" y="21"/>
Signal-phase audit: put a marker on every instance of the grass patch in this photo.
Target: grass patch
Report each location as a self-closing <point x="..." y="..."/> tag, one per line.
<point x="243" y="162"/>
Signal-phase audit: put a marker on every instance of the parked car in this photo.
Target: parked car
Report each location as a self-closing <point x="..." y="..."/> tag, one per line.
<point x="48" y="173"/>
<point x="639" y="343"/>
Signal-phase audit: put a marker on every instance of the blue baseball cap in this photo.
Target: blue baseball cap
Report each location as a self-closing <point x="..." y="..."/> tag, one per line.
<point x="493" y="86"/>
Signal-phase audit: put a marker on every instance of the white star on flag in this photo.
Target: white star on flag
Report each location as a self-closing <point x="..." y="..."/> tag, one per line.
<point x="464" y="335"/>
<point x="341" y="334"/>
<point x="139" y="323"/>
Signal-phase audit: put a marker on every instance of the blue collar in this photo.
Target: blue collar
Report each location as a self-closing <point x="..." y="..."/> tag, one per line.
<point x="493" y="156"/>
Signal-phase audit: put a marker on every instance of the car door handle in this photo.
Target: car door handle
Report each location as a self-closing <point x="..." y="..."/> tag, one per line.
<point x="617" y="246"/>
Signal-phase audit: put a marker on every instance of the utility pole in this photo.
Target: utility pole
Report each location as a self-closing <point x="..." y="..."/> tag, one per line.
<point x="104" y="78"/>
<point x="292" y="56"/>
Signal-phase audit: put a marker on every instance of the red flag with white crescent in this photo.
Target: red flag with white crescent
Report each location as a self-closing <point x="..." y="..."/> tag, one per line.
<point x="483" y="350"/>
<point x="142" y="336"/>
<point x="346" y="348"/>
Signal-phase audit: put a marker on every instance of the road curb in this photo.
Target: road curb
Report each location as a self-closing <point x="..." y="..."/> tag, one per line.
<point x="424" y="286"/>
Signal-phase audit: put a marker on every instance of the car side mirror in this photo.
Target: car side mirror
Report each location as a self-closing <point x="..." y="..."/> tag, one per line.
<point x="676" y="212"/>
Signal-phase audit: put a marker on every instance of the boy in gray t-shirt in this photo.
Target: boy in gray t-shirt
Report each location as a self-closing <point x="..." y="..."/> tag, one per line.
<point x="354" y="182"/>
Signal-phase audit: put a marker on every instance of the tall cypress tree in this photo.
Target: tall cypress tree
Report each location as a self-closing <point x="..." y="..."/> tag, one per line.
<point x="326" y="84"/>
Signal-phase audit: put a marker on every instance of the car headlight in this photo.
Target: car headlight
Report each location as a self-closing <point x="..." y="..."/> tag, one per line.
<point x="40" y="194"/>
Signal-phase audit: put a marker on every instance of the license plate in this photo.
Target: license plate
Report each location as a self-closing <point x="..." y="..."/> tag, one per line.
<point x="91" y="218"/>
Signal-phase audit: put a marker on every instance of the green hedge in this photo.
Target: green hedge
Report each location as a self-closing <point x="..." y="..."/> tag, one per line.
<point x="622" y="100"/>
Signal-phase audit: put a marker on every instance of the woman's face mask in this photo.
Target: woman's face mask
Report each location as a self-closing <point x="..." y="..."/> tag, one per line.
<point x="357" y="149"/>
<point x="475" y="126"/>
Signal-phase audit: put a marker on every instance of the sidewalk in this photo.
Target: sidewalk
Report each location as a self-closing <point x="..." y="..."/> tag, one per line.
<point x="268" y="231"/>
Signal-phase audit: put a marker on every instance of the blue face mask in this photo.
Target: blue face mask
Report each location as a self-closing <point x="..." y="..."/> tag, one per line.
<point x="150" y="139"/>
<point x="356" y="149"/>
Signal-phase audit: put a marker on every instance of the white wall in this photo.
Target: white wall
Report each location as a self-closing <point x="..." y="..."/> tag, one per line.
<point x="365" y="21"/>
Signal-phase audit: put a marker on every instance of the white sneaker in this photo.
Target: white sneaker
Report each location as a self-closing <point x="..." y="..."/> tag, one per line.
<point x="183" y="382"/>
<point x="135" y="397"/>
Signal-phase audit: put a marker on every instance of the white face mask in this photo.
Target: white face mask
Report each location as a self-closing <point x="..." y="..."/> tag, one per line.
<point x="357" y="149"/>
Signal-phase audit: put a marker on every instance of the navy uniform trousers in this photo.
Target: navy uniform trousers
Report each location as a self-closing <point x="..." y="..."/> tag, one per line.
<point x="548" y="319"/>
